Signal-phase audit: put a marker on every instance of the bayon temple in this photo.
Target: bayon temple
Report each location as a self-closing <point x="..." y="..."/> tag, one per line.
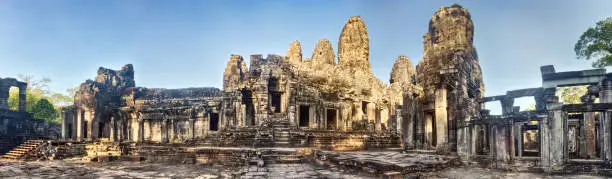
<point x="333" y="102"/>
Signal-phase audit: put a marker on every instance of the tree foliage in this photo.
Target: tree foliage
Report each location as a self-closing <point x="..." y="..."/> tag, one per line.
<point x="572" y="94"/>
<point x="38" y="92"/>
<point x="596" y="42"/>
<point x="43" y="109"/>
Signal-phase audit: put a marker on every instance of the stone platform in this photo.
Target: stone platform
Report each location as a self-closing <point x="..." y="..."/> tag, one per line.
<point x="387" y="163"/>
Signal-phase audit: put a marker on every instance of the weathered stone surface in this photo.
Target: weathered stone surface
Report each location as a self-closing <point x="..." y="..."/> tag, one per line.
<point x="294" y="54"/>
<point x="234" y="74"/>
<point x="106" y="89"/>
<point x="354" y="45"/>
<point x="324" y="53"/>
<point x="450" y="62"/>
<point x="402" y="71"/>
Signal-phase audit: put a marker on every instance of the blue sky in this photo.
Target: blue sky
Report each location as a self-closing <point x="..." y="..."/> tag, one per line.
<point x="187" y="43"/>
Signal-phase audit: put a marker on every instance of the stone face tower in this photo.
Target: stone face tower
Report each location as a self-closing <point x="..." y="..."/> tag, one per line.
<point x="235" y="73"/>
<point x="323" y="53"/>
<point x="450" y="75"/>
<point x="354" y="45"/>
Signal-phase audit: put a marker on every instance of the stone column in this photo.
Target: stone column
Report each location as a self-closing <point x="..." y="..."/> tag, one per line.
<point x="79" y="125"/>
<point x="607" y="143"/>
<point x="511" y="140"/>
<point x="22" y="98"/>
<point x="605" y="96"/>
<point x="164" y="130"/>
<point x="420" y="125"/>
<point x="589" y="130"/>
<point x="120" y="131"/>
<point x="501" y="144"/>
<point x="112" y="129"/>
<point x="553" y="138"/>
<point x="171" y="131"/>
<point x="464" y="140"/>
<point x="140" y="129"/>
<point x="406" y="121"/>
<point x="64" y="123"/>
<point x="519" y="139"/>
<point x="441" y="118"/>
<point x="191" y="128"/>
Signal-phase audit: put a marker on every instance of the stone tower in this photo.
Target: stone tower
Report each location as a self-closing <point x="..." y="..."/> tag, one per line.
<point x="450" y="75"/>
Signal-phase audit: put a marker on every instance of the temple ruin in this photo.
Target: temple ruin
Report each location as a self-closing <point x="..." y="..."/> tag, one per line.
<point x="322" y="104"/>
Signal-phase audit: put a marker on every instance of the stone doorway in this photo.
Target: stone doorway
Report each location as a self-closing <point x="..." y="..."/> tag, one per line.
<point x="531" y="139"/>
<point x="331" y="119"/>
<point x="69" y="132"/>
<point x="85" y="127"/>
<point x="276" y="101"/>
<point x="304" y="115"/>
<point x="214" y="122"/>
<point x="430" y="130"/>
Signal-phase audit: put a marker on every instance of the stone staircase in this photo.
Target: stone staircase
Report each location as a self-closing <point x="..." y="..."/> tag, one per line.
<point x="282" y="137"/>
<point x="21" y="152"/>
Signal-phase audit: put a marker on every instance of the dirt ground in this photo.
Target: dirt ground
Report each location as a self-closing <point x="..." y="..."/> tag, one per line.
<point x="74" y="168"/>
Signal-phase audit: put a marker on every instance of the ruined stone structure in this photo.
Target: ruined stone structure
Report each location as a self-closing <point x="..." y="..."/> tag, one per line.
<point x="18" y="126"/>
<point x="296" y="101"/>
<point x="293" y="101"/>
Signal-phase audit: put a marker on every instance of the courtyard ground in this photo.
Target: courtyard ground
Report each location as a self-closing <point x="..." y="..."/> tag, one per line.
<point x="74" y="168"/>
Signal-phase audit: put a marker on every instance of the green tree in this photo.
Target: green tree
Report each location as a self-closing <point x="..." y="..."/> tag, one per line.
<point x="37" y="90"/>
<point x="572" y="94"/>
<point x="43" y="109"/>
<point x="596" y="42"/>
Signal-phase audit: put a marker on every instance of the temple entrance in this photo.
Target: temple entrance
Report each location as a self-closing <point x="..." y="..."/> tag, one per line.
<point x="275" y="101"/>
<point x="304" y="115"/>
<point x="13" y="99"/>
<point x="69" y="132"/>
<point x="364" y="109"/>
<point x="430" y="130"/>
<point x="214" y="122"/>
<point x="85" y="129"/>
<point x="103" y="130"/>
<point x="331" y="119"/>
<point x="531" y="139"/>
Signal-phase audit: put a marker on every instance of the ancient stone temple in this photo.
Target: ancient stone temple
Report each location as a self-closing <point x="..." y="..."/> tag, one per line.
<point x="17" y="125"/>
<point x="295" y="101"/>
<point x="326" y="104"/>
<point x="451" y="77"/>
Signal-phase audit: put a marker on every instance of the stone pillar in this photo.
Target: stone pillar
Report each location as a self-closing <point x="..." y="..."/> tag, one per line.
<point x="140" y="129"/>
<point x="164" y="130"/>
<point x="519" y="139"/>
<point x="64" y="123"/>
<point x="553" y="141"/>
<point x="22" y="98"/>
<point x="79" y="125"/>
<point x="112" y="129"/>
<point x="420" y="125"/>
<point x="511" y="140"/>
<point x="441" y="119"/>
<point x="171" y="131"/>
<point x="588" y="127"/>
<point x="464" y="140"/>
<point x="507" y="106"/>
<point x="406" y="120"/>
<point x="501" y="135"/>
<point x="191" y="128"/>
<point x="120" y="131"/>
<point x="607" y="143"/>
<point x="605" y="96"/>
